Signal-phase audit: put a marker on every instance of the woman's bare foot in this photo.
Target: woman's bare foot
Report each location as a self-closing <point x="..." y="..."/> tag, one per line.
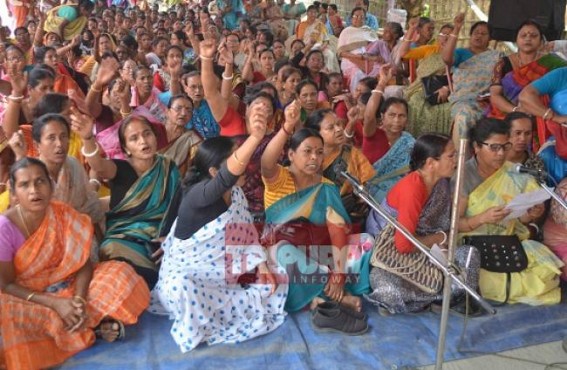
<point x="110" y="331"/>
<point x="352" y="302"/>
<point x="316" y="302"/>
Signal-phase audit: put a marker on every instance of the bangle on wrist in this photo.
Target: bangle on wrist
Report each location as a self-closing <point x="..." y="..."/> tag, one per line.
<point x="93" y="88"/>
<point x="227" y="77"/>
<point x="347" y="135"/>
<point x="547" y="112"/>
<point x="30" y="296"/>
<point x="125" y="114"/>
<point x="452" y="35"/>
<point x="79" y="298"/>
<point x="96" y="182"/>
<point x="237" y="159"/>
<point x="16" y="98"/>
<point x="286" y="131"/>
<point x="205" y="58"/>
<point x="444" y="236"/>
<point x="91" y="154"/>
<point x="515" y="108"/>
<point x="377" y="91"/>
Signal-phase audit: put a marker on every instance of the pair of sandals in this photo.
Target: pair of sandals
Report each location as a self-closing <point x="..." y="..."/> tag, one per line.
<point x="110" y="330"/>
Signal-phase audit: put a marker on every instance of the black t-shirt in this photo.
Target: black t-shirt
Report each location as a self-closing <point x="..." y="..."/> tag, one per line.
<point x="203" y="202"/>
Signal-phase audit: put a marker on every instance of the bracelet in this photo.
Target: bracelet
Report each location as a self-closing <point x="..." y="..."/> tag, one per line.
<point x="534" y="225"/>
<point x="286" y="131"/>
<point x="30" y="296"/>
<point x="16" y="98"/>
<point x="453" y="35"/>
<point x="444" y="236"/>
<point x="93" y="88"/>
<point x="92" y="154"/>
<point x="205" y="58"/>
<point x="95" y="181"/>
<point x="347" y="135"/>
<point x="83" y="301"/>
<point x="378" y="91"/>
<point x="406" y="40"/>
<point x="227" y="77"/>
<point x="546" y="113"/>
<point x="125" y="114"/>
<point x="515" y="108"/>
<point x="237" y="159"/>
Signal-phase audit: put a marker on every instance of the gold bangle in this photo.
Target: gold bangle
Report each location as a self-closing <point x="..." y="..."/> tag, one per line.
<point x="125" y="114"/>
<point x="93" y="88"/>
<point x="80" y="299"/>
<point x="237" y="159"/>
<point x="30" y="296"/>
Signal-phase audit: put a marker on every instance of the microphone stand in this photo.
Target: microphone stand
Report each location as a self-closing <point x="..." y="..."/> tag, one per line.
<point x="451" y="271"/>
<point x="551" y="191"/>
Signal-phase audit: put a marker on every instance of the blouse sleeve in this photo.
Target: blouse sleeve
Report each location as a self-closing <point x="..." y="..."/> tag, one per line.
<point x="502" y="67"/>
<point x="11" y="239"/>
<point x="409" y="208"/>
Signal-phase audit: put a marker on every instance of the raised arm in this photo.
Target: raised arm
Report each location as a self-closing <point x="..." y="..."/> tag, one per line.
<point x="370" y="121"/>
<point x="19" y="81"/>
<point x="82" y="124"/>
<point x="449" y="50"/>
<point x="408" y="37"/>
<point x="38" y="36"/>
<point x="226" y="85"/>
<point x="274" y="149"/>
<point x="217" y="104"/>
<point x="107" y="71"/>
<point x="248" y="68"/>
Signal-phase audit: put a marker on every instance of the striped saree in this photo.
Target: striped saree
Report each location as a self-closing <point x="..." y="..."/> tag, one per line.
<point x="34" y="336"/>
<point x="134" y="222"/>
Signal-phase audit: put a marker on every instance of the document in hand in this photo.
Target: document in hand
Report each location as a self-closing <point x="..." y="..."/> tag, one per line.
<point x="522" y="202"/>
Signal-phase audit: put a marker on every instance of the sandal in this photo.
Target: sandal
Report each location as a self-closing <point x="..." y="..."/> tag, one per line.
<point x="102" y="333"/>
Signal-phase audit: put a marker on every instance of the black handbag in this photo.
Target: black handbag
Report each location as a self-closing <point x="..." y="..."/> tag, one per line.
<point x="500" y="253"/>
<point x="431" y="84"/>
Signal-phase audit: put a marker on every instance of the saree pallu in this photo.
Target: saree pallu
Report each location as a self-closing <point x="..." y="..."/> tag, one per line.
<point x="136" y="220"/>
<point x="72" y="29"/>
<point x="308" y="266"/>
<point x="153" y="104"/>
<point x="514" y="81"/>
<point x="34" y="336"/>
<point x="469" y="79"/>
<point x="199" y="285"/>
<point x="539" y="283"/>
<point x="424" y="117"/>
<point x="391" y="167"/>
<point x="182" y="150"/>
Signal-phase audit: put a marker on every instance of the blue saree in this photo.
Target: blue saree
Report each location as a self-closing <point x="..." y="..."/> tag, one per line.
<point x="310" y="265"/>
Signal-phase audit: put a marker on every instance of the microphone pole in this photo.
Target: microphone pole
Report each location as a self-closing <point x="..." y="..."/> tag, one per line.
<point x="551" y="191"/>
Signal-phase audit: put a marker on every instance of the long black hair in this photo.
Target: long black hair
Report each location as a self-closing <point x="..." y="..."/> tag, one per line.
<point x="212" y="152"/>
<point x="430" y="145"/>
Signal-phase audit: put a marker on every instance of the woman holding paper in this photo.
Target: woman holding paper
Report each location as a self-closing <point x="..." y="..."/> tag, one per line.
<point x="490" y="183"/>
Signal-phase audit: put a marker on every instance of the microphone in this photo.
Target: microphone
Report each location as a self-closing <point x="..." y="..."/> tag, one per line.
<point x="539" y="174"/>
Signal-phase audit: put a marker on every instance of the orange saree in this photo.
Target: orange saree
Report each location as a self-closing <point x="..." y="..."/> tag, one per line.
<point x="33" y="336"/>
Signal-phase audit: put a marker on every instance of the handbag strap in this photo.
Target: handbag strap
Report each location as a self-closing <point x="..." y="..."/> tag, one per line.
<point x="448" y="73"/>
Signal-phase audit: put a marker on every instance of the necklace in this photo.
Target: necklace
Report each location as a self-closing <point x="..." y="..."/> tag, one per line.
<point x="521" y="62"/>
<point x="28" y="234"/>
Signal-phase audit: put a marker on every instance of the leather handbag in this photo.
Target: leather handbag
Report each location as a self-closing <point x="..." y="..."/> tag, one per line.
<point x="415" y="268"/>
<point x="431" y="84"/>
<point x="500" y="253"/>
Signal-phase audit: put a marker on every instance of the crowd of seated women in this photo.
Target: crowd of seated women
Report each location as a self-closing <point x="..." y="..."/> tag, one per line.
<point x="190" y="165"/>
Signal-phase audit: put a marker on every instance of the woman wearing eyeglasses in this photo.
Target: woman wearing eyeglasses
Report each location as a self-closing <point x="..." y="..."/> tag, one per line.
<point x="490" y="182"/>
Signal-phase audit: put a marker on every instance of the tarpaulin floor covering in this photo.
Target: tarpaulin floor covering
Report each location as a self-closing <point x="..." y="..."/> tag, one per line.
<point x="393" y="342"/>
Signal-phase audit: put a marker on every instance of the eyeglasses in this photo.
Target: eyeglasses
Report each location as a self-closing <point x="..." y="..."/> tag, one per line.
<point x="14" y="59"/>
<point x="179" y="109"/>
<point x="497" y="147"/>
<point x="356" y="16"/>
